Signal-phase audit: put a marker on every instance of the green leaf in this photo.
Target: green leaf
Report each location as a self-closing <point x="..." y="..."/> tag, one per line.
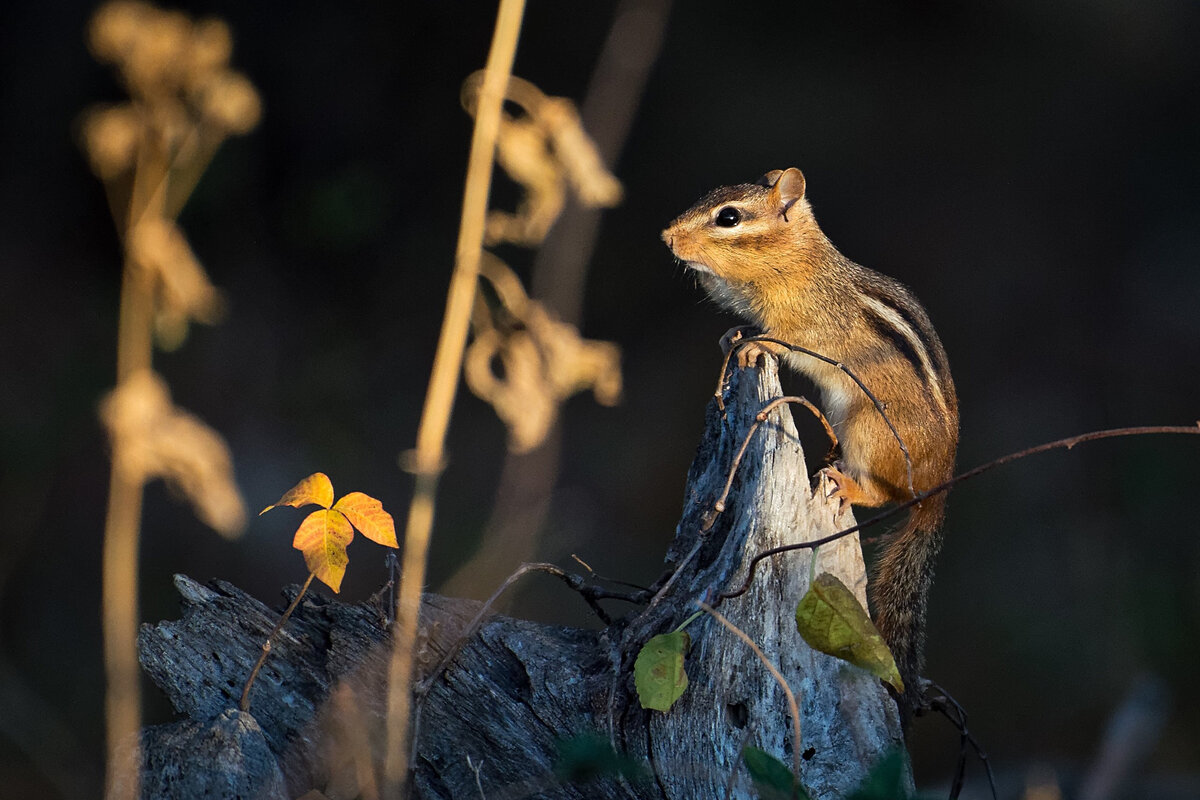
<point x="589" y="756"/>
<point x="885" y="781"/>
<point x="831" y="620"/>
<point x="658" y="673"/>
<point x="771" y="778"/>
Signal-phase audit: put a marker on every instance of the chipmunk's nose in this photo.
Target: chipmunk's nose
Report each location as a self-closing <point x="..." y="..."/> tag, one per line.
<point x="668" y="239"/>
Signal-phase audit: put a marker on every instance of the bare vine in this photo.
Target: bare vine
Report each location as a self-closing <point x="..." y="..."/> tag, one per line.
<point x="1066" y="443"/>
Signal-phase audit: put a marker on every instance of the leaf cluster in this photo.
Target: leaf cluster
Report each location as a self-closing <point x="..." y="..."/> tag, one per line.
<point x="323" y="535"/>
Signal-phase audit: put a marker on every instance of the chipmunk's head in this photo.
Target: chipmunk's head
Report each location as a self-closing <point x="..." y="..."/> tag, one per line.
<point x="733" y="224"/>
<point x="737" y="236"/>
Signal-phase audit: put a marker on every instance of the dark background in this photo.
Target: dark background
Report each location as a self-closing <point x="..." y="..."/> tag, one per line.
<point x="1030" y="168"/>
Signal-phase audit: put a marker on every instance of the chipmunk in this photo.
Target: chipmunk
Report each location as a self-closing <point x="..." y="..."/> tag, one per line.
<point x="757" y="250"/>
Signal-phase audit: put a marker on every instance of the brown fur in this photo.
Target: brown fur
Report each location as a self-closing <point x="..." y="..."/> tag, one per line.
<point x="777" y="269"/>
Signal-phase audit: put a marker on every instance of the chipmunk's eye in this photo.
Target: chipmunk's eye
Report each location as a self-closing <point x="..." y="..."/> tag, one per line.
<point x="728" y="216"/>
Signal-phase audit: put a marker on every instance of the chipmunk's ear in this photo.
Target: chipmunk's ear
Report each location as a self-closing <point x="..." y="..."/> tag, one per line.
<point x="787" y="190"/>
<point x="770" y="178"/>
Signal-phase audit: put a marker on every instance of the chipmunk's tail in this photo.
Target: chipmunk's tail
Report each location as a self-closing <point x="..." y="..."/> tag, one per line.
<point x="899" y="591"/>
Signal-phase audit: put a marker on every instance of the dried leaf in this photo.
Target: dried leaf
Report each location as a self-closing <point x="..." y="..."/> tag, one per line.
<point x="316" y="488"/>
<point x="658" y="673"/>
<point x="543" y="360"/>
<point x="115" y="27"/>
<point x="367" y="514"/>
<point x="154" y="65"/>
<point x="523" y="398"/>
<point x="573" y="363"/>
<point x="521" y="152"/>
<point x="151" y="438"/>
<point x="231" y="103"/>
<point x="545" y="151"/>
<point x="595" y="186"/>
<point x="110" y="137"/>
<point x="173" y="65"/>
<point x="323" y="537"/>
<point x="831" y="620"/>
<point x="182" y="289"/>
<point x="209" y="51"/>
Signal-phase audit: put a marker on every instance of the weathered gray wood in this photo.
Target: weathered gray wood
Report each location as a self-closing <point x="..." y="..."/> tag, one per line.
<point x="228" y="757"/>
<point x="848" y="719"/>
<point x="518" y="689"/>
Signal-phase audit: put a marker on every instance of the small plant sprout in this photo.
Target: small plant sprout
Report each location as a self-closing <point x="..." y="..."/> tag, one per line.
<point x="323" y="537"/>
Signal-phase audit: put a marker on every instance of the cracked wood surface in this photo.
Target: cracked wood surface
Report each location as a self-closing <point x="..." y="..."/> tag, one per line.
<point x="518" y="689"/>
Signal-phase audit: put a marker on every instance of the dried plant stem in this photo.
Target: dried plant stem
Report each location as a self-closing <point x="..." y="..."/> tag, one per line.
<point x="189" y="164"/>
<point x="244" y="705"/>
<point x="123" y="700"/>
<point x="119" y="579"/>
<point x="443" y="384"/>
<point x="793" y="707"/>
<point x="527" y="480"/>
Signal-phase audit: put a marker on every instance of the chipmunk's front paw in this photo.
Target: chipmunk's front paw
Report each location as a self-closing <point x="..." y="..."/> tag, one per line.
<point x="734" y="335"/>
<point x="839" y="485"/>
<point x="748" y="353"/>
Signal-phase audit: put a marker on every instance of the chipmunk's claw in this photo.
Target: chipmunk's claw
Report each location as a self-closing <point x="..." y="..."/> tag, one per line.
<point x="838" y="485"/>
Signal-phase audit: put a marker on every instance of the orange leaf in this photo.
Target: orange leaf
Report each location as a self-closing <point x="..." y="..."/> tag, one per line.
<point x="316" y="488"/>
<point x="367" y="514"/>
<point x="323" y="537"/>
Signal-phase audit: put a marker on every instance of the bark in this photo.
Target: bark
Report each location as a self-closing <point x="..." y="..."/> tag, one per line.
<point x="500" y="717"/>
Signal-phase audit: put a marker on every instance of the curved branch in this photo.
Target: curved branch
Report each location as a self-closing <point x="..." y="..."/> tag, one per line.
<point x="1067" y="443"/>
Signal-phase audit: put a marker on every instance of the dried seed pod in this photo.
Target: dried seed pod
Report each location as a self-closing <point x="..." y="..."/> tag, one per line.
<point x="115" y="27"/>
<point x="208" y="52"/>
<point x="231" y="103"/>
<point x="110" y="138"/>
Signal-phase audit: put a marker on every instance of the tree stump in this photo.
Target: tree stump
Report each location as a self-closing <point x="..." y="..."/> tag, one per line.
<point x="496" y="720"/>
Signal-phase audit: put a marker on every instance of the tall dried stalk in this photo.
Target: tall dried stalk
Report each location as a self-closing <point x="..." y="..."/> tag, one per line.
<point x="119" y="568"/>
<point x="149" y="153"/>
<point x="527" y="479"/>
<point x="443" y="384"/>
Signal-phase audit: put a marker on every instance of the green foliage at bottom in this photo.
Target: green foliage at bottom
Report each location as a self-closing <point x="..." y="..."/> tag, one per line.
<point x="589" y="756"/>
<point x="771" y="778"/>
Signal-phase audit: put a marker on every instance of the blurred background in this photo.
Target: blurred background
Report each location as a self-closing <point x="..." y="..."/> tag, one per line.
<point x="1031" y="169"/>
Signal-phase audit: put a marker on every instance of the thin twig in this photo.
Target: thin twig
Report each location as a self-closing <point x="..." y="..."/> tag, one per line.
<point x="589" y="593"/>
<point x="443" y="385"/>
<point x="597" y="576"/>
<point x="787" y="690"/>
<point x="244" y="705"/>
<point x="477" y="768"/>
<point x="660" y="591"/>
<point x="1067" y="443"/>
<point x="759" y="419"/>
<point x="950" y="708"/>
<point x="719" y="392"/>
<point x="576" y="582"/>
